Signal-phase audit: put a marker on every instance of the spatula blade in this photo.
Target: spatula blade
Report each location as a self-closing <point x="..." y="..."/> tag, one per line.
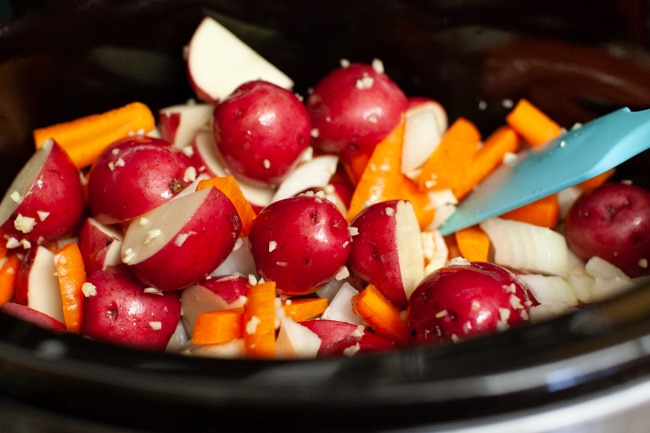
<point x="575" y="156"/>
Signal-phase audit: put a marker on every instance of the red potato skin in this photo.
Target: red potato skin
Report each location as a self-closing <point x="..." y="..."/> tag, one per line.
<point x="174" y="267"/>
<point x="93" y="245"/>
<point x="463" y="301"/>
<point x="132" y="176"/>
<point x="121" y="312"/>
<point x="337" y="336"/>
<point x="612" y="222"/>
<point x="229" y="287"/>
<point x="373" y="255"/>
<point x="57" y="190"/>
<point x="300" y="243"/>
<point x="28" y="314"/>
<point x="352" y="117"/>
<point x="260" y="131"/>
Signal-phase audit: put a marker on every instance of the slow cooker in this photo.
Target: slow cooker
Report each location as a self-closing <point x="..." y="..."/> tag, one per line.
<point x="584" y="371"/>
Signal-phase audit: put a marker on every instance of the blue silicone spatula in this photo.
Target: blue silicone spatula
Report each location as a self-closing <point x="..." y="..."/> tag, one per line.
<point x="575" y="156"/>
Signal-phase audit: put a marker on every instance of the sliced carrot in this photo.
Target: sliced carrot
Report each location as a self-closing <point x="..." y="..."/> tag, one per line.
<point x="380" y="314"/>
<point x="502" y="141"/>
<point x="229" y="186"/>
<point x="382" y="180"/>
<point x="354" y="167"/>
<point x="448" y="164"/>
<point x="71" y="274"/>
<point x="299" y="309"/>
<point x="85" y="138"/>
<point x="473" y="244"/>
<point x="259" y="320"/>
<point x="597" y="180"/>
<point x="544" y="212"/>
<point x="532" y="124"/>
<point x="217" y="327"/>
<point x="8" y="273"/>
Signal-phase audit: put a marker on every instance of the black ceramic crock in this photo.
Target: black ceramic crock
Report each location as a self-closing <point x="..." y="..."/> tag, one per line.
<point x="67" y="58"/>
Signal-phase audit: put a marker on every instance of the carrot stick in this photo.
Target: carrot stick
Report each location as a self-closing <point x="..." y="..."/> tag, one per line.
<point x="8" y="273"/>
<point x="71" y="274"/>
<point x="217" y="327"/>
<point x="473" y="243"/>
<point x="380" y="314"/>
<point x="382" y="179"/>
<point x="502" y="141"/>
<point x="229" y="186"/>
<point x="532" y="124"/>
<point x="447" y="164"/>
<point x="544" y="212"/>
<point x="299" y="309"/>
<point x="85" y="138"/>
<point x="597" y="180"/>
<point x="259" y="320"/>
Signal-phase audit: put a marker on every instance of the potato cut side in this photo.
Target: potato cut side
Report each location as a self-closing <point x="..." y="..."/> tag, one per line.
<point x="409" y="246"/>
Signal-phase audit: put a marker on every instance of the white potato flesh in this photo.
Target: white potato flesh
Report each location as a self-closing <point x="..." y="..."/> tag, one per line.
<point x="296" y="341"/>
<point x="425" y="123"/>
<point x="218" y="62"/>
<point x="43" y="293"/>
<point x="197" y="299"/>
<point x="179" y="124"/>
<point x="314" y="173"/>
<point x="409" y="246"/>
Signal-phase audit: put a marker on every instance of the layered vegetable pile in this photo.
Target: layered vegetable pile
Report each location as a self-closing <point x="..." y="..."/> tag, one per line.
<point x="253" y="222"/>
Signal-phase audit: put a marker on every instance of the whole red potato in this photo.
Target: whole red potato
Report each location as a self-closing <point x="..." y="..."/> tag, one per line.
<point x="300" y="243"/>
<point x="612" y="222"/>
<point x="353" y="108"/>
<point x="260" y="131"/>
<point x="465" y="300"/>
<point x="118" y="309"/>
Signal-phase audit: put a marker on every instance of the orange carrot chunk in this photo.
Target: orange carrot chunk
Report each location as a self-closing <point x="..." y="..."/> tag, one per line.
<point x="218" y="327"/>
<point x="380" y="314"/>
<point x="448" y="164"/>
<point x="86" y="137"/>
<point x="299" y="309"/>
<point x="596" y="181"/>
<point x="8" y="271"/>
<point x="532" y="124"/>
<point x="229" y="186"/>
<point x="473" y="244"/>
<point x="259" y="320"/>
<point x="544" y="212"/>
<point x="502" y="141"/>
<point x="382" y="180"/>
<point x="71" y="274"/>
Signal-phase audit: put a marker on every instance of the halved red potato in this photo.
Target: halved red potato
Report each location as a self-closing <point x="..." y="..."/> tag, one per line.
<point x="387" y="249"/>
<point x="181" y="241"/>
<point x="46" y="199"/>
<point x="99" y="244"/>
<point x="117" y="308"/>
<point x="218" y="62"/>
<point x="343" y="338"/>
<point x="132" y="176"/>
<point x="28" y="314"/>
<point x="178" y="124"/>
<point x="300" y="243"/>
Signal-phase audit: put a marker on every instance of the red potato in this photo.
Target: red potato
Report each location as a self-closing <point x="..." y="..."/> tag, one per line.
<point x="612" y="222"/>
<point x="387" y="249"/>
<point x="212" y="294"/>
<point x="37" y="285"/>
<point x="181" y="241"/>
<point x="179" y="124"/>
<point x="260" y="131"/>
<point x="315" y="173"/>
<point x="353" y="108"/>
<point x="343" y="338"/>
<point x="134" y="175"/>
<point x="300" y="243"/>
<point x="218" y="62"/>
<point x="99" y="244"/>
<point x="465" y="300"/>
<point x="118" y="309"/>
<point x="45" y="201"/>
<point x="28" y="314"/>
